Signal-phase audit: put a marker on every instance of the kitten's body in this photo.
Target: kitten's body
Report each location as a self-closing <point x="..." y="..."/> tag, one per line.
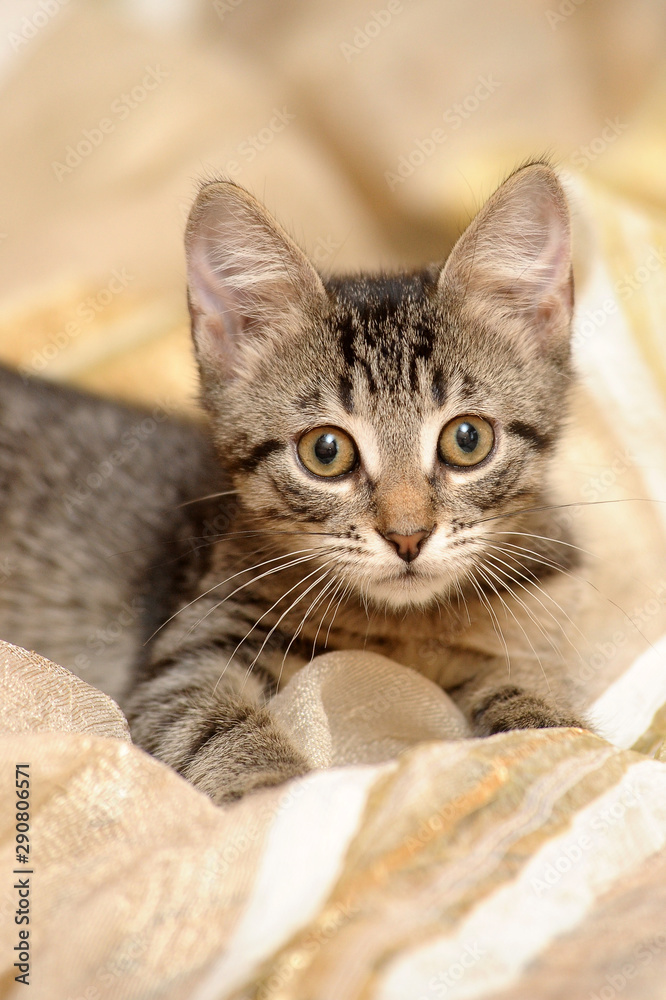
<point x="247" y="587"/>
<point x="90" y="496"/>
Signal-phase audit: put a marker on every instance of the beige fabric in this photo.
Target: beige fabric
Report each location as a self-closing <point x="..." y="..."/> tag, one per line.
<point x="383" y="880"/>
<point x="351" y="708"/>
<point x="528" y="865"/>
<point x="40" y="697"/>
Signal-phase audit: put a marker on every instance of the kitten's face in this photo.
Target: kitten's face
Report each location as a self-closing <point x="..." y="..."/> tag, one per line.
<point x="385" y="420"/>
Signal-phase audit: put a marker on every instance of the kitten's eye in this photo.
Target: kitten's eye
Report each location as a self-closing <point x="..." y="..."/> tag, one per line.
<point x="466" y="441"/>
<point x="327" y="451"/>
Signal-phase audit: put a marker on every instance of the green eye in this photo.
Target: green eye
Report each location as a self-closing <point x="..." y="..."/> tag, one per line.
<point x="466" y="441"/>
<point x="327" y="451"/>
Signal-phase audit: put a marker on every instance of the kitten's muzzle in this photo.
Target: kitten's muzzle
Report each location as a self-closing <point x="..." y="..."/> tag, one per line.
<point x="407" y="546"/>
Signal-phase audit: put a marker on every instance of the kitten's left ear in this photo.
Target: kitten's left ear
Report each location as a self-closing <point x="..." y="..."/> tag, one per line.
<point x="248" y="282"/>
<point x="515" y="257"/>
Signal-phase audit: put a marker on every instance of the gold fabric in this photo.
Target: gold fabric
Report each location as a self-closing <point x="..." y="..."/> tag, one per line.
<point x="527" y="865"/>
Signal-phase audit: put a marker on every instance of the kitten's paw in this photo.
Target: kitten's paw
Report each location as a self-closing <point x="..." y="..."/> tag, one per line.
<point x="233" y="789"/>
<point x="510" y="708"/>
<point x="242" y="752"/>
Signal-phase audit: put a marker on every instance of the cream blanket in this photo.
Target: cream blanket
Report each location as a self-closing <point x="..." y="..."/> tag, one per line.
<point x="413" y="863"/>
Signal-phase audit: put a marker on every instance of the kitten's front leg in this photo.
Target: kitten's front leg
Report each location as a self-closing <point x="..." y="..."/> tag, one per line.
<point x="495" y="705"/>
<point x="501" y="709"/>
<point x="210" y="724"/>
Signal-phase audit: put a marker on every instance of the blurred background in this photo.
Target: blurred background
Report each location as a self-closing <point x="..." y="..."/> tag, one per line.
<point x="373" y="131"/>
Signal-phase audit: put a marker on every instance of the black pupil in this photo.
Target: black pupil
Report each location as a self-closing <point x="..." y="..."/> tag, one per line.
<point x="326" y="448"/>
<point x="467" y="437"/>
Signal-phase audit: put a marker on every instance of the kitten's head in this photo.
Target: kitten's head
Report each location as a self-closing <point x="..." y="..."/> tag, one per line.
<point x="385" y="417"/>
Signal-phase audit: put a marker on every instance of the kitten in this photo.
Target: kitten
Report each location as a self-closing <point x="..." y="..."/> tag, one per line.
<point x="384" y="449"/>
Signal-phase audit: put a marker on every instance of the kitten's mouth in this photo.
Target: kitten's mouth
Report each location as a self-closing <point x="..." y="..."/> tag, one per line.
<point x="409" y="587"/>
<point x="406" y="574"/>
<point x="408" y="571"/>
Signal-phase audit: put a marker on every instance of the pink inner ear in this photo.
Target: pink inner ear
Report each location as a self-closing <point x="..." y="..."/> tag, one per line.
<point x="556" y="254"/>
<point x="207" y="288"/>
<point x="516" y="254"/>
<point x="217" y="342"/>
<point x="216" y="320"/>
<point x="547" y="312"/>
<point x="246" y="275"/>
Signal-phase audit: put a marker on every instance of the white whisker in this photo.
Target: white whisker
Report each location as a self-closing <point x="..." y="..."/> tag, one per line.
<point x="532" y="580"/>
<point x="512" y="579"/>
<point x="345" y="593"/>
<point x="323" y="617"/>
<point x="261" y="618"/>
<point x="228" y="580"/>
<point x="320" y="597"/>
<point x="285" y="613"/>
<point x="515" y="618"/>
<point x="485" y="602"/>
<point x="248" y="583"/>
<point x="581" y="579"/>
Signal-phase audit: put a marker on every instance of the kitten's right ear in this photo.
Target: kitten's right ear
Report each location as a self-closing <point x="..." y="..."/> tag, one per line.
<point x="515" y="257"/>
<point x="247" y="279"/>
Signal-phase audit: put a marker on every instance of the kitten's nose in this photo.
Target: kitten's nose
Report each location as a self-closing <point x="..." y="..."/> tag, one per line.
<point x="407" y="546"/>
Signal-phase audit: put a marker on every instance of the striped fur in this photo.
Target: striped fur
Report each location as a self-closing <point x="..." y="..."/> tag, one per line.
<point x="240" y="574"/>
<point x="389" y="359"/>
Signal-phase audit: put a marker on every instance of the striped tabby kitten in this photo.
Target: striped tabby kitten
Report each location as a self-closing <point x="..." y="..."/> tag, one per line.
<point x="385" y="444"/>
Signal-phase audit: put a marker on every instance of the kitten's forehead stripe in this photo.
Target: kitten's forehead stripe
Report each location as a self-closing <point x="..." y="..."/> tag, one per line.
<point x="438" y="389"/>
<point x="309" y="400"/>
<point x="348" y="334"/>
<point x="381" y="328"/>
<point x="346" y="393"/>
<point x="421" y="351"/>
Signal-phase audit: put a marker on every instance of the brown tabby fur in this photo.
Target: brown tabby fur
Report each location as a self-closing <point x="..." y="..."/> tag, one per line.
<point x="237" y="591"/>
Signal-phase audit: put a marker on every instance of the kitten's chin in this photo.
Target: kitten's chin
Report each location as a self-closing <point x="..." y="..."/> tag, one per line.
<point x="403" y="592"/>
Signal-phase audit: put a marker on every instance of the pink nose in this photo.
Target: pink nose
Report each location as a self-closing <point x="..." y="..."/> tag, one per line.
<point x="407" y="546"/>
